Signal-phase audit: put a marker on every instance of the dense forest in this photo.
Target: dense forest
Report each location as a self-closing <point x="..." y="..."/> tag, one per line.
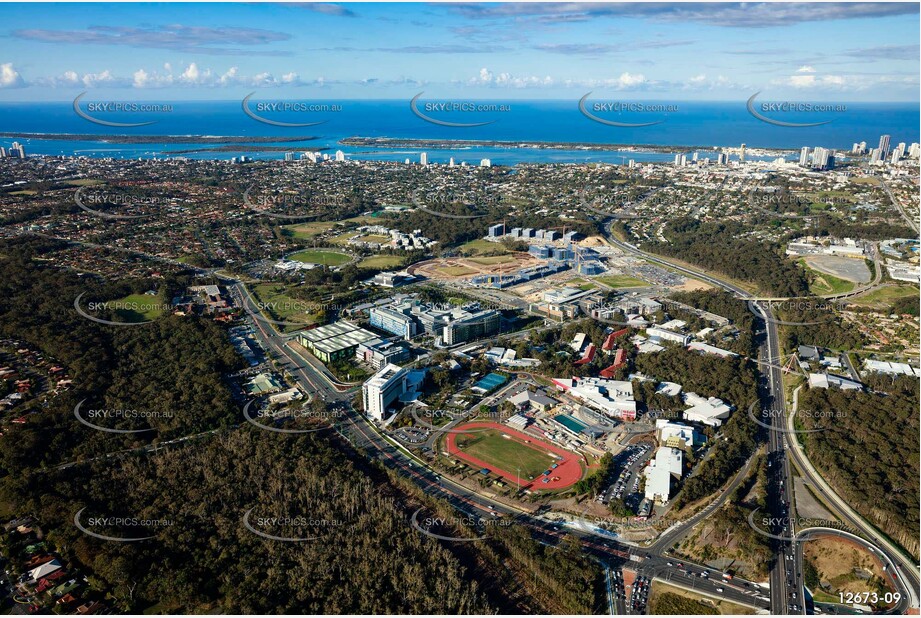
<point x="363" y="555"/>
<point x="870" y="455"/>
<point x="726" y="249"/>
<point x="169" y="372"/>
<point x="734" y="380"/>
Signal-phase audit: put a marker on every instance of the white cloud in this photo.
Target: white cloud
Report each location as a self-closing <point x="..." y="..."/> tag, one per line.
<point x="805" y="69"/>
<point x="10" y="77"/>
<point x="96" y="80"/>
<point x="628" y="80"/>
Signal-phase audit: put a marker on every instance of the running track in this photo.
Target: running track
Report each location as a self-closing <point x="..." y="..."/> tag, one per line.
<point x="568" y="469"/>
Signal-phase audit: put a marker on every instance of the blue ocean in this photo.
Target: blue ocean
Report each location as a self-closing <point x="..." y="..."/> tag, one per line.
<point x="691" y="127"/>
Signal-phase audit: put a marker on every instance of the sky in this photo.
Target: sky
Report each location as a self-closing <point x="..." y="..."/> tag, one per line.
<point x="851" y="52"/>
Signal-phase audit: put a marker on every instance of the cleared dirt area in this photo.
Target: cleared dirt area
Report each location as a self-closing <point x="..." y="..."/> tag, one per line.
<point x="460" y="268"/>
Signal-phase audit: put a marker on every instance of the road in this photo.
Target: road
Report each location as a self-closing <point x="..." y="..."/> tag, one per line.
<point x="898" y="204"/>
<point x="361" y="433"/>
<point x="783" y="586"/>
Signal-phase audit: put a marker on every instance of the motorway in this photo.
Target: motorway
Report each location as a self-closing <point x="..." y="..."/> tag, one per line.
<point x="783" y="586"/>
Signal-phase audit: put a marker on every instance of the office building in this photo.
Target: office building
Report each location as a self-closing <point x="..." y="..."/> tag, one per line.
<point x="476" y="325"/>
<point x="334" y="341"/>
<point x="804" y="156"/>
<point x="875" y="156"/>
<point x="914" y="150"/>
<point x="828" y="380"/>
<point x="710" y="411"/>
<point x="667" y="466"/>
<point x="382" y="389"/>
<point x="677" y="435"/>
<point x="340" y="156"/>
<point x="379" y="352"/>
<point x="855" y="149"/>
<point x="657" y="335"/>
<point x="485" y="163"/>
<point x="611" y="397"/>
<point x="742" y="154"/>
<point x="451" y="162"/>
<point x="495" y="231"/>
<point x="424" y="158"/>
<point x="394" y="319"/>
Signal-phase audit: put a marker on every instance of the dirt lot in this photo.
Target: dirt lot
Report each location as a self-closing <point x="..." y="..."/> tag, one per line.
<point x="461" y="268"/>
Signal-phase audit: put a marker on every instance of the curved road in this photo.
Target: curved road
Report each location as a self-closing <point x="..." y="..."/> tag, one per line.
<point x="781" y="586"/>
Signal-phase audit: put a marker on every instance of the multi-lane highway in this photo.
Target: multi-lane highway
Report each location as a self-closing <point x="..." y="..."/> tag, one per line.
<point x="786" y="584"/>
<point x="789" y="556"/>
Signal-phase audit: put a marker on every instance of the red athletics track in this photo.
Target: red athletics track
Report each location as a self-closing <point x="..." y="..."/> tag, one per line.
<point x="568" y="469"/>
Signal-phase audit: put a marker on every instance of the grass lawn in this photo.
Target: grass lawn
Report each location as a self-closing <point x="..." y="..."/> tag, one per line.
<point x="24" y="192"/>
<point x="321" y="256"/>
<point x="885" y="295"/>
<point x="85" y="182"/>
<point x="505" y="453"/>
<point x="456" y="271"/>
<point x="136" y="307"/>
<point x="378" y="238"/>
<point x="306" y="231"/>
<point x="381" y="261"/>
<point x="482" y="247"/>
<point x="622" y="281"/>
<point x="582" y="284"/>
<point x="279" y="306"/>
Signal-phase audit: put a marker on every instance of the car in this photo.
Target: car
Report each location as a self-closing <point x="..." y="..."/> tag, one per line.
<point x="719" y="590"/>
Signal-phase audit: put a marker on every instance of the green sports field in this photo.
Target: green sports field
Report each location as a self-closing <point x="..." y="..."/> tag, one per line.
<point x="321" y="256"/>
<point x="504" y="453"/>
